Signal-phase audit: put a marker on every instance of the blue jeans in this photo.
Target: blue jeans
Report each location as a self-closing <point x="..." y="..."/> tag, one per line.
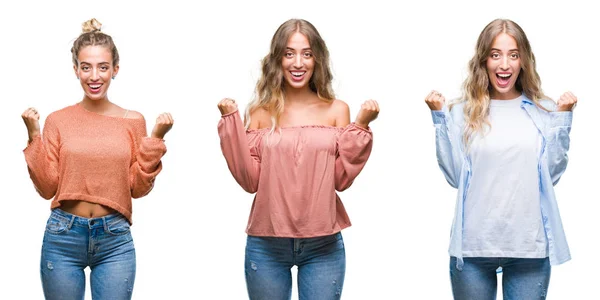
<point x="321" y="265"/>
<point x="72" y="243"/>
<point x="522" y="278"/>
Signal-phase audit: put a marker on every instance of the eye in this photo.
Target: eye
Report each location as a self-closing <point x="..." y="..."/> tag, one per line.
<point x="104" y="68"/>
<point x="289" y="54"/>
<point x="85" y="68"/>
<point x="308" y="54"/>
<point x="495" y="55"/>
<point x="514" y="55"/>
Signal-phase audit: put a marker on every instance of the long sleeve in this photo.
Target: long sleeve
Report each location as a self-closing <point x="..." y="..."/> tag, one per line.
<point x="558" y="143"/>
<point x="240" y="149"/>
<point x="146" y="163"/>
<point x="448" y="147"/>
<point x="354" y="146"/>
<point x="41" y="156"/>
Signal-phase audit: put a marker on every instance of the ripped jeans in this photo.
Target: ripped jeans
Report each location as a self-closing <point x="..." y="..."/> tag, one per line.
<point x="321" y="265"/>
<point x="72" y="243"/>
<point x="522" y="278"/>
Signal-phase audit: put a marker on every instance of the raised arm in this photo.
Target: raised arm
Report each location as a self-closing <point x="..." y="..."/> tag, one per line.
<point x="149" y="152"/>
<point x="240" y="148"/>
<point x="42" y="153"/>
<point x="354" y="146"/>
<point x="447" y="137"/>
<point x="558" y="135"/>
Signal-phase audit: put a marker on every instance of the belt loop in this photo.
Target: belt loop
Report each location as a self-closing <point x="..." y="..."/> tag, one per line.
<point x="71" y="222"/>
<point x="104" y="223"/>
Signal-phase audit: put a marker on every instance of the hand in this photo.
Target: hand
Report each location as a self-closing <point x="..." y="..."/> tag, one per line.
<point x="227" y="106"/>
<point x="368" y="112"/>
<point x="31" y="117"/>
<point x="435" y="100"/>
<point x="164" y="122"/>
<point x="566" y="102"/>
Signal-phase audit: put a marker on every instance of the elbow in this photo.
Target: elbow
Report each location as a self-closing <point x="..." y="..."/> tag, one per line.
<point x="47" y="193"/>
<point x="47" y="196"/>
<point x="557" y="169"/>
<point x="141" y="192"/>
<point x="136" y="194"/>
<point x="451" y="178"/>
<point x="452" y="182"/>
<point x="342" y="185"/>
<point x="250" y="188"/>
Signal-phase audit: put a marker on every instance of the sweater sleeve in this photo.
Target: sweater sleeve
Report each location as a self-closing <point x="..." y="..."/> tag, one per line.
<point x="240" y="149"/>
<point x="146" y="162"/>
<point x="41" y="156"/>
<point x="354" y="146"/>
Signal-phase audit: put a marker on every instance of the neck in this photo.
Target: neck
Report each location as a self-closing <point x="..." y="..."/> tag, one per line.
<point x="297" y="96"/>
<point x="97" y="106"/>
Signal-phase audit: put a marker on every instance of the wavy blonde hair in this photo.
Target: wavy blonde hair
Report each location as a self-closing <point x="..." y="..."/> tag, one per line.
<point x="476" y="88"/>
<point x="270" y="93"/>
<point x="92" y="36"/>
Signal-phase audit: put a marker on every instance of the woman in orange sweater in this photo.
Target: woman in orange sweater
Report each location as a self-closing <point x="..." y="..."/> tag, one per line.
<point x="92" y="158"/>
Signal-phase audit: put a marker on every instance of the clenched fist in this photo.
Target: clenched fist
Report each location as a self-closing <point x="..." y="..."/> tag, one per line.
<point x="435" y="100"/>
<point x="566" y="102"/>
<point x="31" y="117"/>
<point x="227" y="106"/>
<point x="368" y="112"/>
<point x="164" y="122"/>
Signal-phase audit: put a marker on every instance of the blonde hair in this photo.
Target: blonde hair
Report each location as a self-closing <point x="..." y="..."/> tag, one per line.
<point x="269" y="93"/>
<point x="477" y="87"/>
<point x="92" y="36"/>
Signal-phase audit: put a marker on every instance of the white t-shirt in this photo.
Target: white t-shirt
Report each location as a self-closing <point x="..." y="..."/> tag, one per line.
<point x="502" y="216"/>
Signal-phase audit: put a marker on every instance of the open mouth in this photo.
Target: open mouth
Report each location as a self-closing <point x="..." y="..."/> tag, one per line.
<point x="503" y="79"/>
<point x="95" y="87"/>
<point x="297" y="75"/>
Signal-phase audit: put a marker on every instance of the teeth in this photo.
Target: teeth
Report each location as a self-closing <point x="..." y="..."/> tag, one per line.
<point x="297" y="73"/>
<point x="504" y="75"/>
<point x="95" y="86"/>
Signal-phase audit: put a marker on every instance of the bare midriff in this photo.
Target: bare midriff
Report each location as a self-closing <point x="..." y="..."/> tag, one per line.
<point x="85" y="209"/>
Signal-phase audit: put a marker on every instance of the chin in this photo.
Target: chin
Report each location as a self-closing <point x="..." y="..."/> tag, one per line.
<point x="297" y="85"/>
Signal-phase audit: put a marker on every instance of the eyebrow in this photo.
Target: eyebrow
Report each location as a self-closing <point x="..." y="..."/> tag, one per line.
<point x="496" y="49"/>
<point x="290" y="48"/>
<point x="87" y="63"/>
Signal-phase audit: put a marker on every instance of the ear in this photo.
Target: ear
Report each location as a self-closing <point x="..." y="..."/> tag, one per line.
<point x="75" y="69"/>
<point x="116" y="70"/>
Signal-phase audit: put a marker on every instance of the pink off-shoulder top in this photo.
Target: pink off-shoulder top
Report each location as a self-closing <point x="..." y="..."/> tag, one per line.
<point x="295" y="172"/>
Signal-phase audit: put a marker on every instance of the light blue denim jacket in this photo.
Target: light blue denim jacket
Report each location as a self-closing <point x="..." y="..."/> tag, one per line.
<point x="554" y="127"/>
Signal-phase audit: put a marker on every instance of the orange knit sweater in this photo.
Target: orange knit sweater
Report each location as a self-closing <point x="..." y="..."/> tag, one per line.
<point x="86" y="156"/>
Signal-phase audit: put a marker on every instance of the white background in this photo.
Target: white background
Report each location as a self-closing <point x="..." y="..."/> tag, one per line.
<point x="189" y="232"/>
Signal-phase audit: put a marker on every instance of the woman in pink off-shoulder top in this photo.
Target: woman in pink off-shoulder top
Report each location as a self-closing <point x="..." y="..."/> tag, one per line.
<point x="294" y="150"/>
<point x="91" y="159"/>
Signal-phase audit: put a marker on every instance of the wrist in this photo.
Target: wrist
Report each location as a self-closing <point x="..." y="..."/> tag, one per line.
<point x="33" y="135"/>
<point x="157" y="136"/>
<point x="361" y="124"/>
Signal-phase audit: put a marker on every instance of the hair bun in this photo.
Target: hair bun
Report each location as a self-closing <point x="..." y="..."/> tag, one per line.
<point x="91" y="26"/>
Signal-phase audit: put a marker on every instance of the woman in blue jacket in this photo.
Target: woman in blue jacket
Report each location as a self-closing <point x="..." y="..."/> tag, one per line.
<point x="503" y="145"/>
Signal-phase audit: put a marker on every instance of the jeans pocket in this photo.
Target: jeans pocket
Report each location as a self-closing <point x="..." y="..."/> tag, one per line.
<point x="56" y="224"/>
<point x="118" y="226"/>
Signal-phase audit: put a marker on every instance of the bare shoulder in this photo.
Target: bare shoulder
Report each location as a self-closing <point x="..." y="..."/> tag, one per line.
<point x="340" y="112"/>
<point x="260" y="118"/>
<point x="132" y="114"/>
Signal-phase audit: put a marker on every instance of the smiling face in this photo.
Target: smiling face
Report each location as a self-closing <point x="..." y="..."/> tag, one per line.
<point x="298" y="62"/>
<point x="503" y="67"/>
<point x="95" y="71"/>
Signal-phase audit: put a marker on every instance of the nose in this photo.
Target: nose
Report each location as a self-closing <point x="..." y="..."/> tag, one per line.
<point x="298" y="62"/>
<point x="504" y="63"/>
<point x="95" y="75"/>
